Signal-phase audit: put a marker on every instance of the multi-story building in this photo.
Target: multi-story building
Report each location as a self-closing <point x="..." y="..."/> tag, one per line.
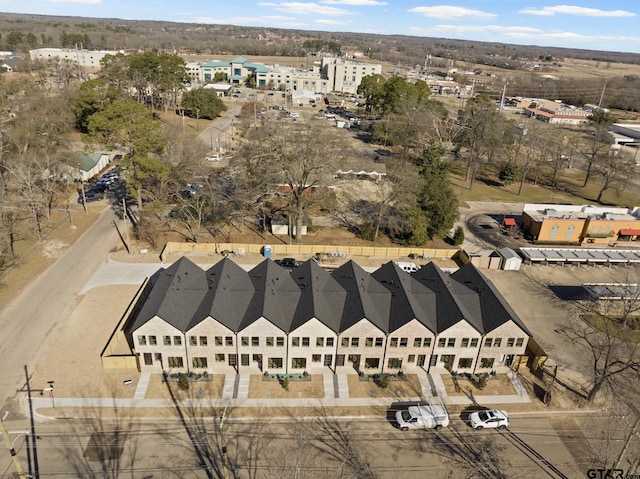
<point x="281" y="321"/>
<point x="88" y="61"/>
<point x="235" y="71"/>
<point x="346" y="75"/>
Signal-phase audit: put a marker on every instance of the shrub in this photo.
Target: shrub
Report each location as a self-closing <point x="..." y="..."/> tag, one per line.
<point x="284" y="382"/>
<point x="481" y="382"/>
<point x="509" y="174"/>
<point x="183" y="382"/>
<point x="382" y="380"/>
<point x="458" y="236"/>
<point x="305" y="374"/>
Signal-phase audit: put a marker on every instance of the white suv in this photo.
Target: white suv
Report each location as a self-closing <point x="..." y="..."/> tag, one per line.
<point x="489" y="419"/>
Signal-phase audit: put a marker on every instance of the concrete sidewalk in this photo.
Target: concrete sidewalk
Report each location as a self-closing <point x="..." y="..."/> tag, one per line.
<point x="336" y="394"/>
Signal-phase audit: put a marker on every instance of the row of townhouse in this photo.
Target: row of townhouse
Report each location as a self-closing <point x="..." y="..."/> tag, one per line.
<point x="308" y="319"/>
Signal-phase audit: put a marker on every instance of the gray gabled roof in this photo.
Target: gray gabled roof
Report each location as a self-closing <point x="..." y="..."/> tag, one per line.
<point x="451" y="307"/>
<point x="322" y="296"/>
<point x="495" y="309"/>
<point x="230" y="291"/>
<point x="366" y="298"/>
<point x="410" y="299"/>
<point x="175" y="296"/>
<point x="276" y="296"/>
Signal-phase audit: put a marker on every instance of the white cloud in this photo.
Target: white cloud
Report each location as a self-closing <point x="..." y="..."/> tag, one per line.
<point x="576" y="10"/>
<point x="354" y="3"/>
<point x="481" y="28"/>
<point x="306" y="8"/>
<point x="449" y="11"/>
<point x="326" y="21"/>
<point x="267" y="20"/>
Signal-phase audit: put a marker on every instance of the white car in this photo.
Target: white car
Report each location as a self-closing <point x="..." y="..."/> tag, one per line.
<point x="489" y="419"/>
<point x="213" y="158"/>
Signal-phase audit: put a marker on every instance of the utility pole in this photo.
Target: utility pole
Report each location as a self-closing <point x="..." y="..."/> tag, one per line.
<point x="504" y="90"/>
<point x="12" y="451"/>
<point x="602" y="94"/>
<point x="126" y="228"/>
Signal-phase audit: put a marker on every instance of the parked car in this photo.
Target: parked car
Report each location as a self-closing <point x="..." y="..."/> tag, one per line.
<point x="489" y="419"/>
<point x="213" y="158"/>
<point x="287" y="262"/>
<point x="90" y="196"/>
<point x="190" y="190"/>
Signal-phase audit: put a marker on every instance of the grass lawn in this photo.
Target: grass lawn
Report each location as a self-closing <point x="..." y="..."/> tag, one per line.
<point x="602" y="324"/>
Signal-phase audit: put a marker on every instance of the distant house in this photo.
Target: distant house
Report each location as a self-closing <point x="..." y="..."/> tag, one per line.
<point x="83" y="166"/>
<point x="237" y="71"/>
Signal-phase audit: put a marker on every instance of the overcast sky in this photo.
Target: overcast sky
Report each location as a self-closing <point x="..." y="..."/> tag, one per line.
<point x="592" y="24"/>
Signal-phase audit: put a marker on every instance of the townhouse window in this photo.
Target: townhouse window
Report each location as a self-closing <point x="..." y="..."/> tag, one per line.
<point x="295" y="341"/>
<point x="166" y="340"/>
<point x="218" y="340"/>
<point x="148" y="361"/>
<point x="426" y="342"/>
<point x="474" y="342"/>
<point x="355" y="342"/>
<point x="270" y="341"/>
<point x="379" y="342"/>
<point x="153" y="340"/>
<point x="219" y="358"/>
<point x="368" y="342"/>
<point x="274" y="363"/>
<point x="510" y="342"/>
<point x="280" y="341"/>
<point x="464" y="343"/>
<point x="417" y="342"/>
<point x="177" y="340"/>
<point x="393" y="343"/>
<point x="244" y="340"/>
<point x="345" y="342"/>
<point x="244" y="360"/>
<point x="320" y="342"/>
<point x="488" y="342"/>
<point x="142" y="340"/>
<point x="519" y="342"/>
<point x="465" y="363"/>
<point x="497" y="342"/>
<point x="305" y="341"/>
<point x="255" y="341"/>
<point x="298" y="363"/>
<point x="329" y="341"/>
<point x="199" y="362"/>
<point x="486" y="362"/>
<point x="451" y="343"/>
<point x="315" y="358"/>
<point x="441" y="342"/>
<point x="404" y="342"/>
<point x="203" y="340"/>
<point x="394" y="363"/>
<point x="193" y="341"/>
<point x="174" y="361"/>
<point x="411" y="358"/>
<point x="228" y="340"/>
<point x="371" y="363"/>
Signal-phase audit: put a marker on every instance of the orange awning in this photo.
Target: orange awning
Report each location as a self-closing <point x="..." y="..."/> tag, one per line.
<point x="629" y="232"/>
<point x="509" y="222"/>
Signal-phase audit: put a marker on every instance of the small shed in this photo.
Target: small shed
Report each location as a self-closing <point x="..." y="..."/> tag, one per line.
<point x="511" y="260"/>
<point x="509" y="224"/>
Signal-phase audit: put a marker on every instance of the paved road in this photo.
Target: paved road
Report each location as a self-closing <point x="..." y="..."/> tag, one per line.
<point x="35" y="316"/>
<point x="275" y="447"/>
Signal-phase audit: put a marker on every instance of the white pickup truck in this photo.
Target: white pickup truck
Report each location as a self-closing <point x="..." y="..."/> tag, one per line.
<point x="422" y="417"/>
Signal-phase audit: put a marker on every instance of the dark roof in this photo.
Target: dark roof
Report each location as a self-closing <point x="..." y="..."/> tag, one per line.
<point x="366" y="298"/>
<point x="495" y="309"/>
<point x="451" y="307"/>
<point x="229" y="293"/>
<point x="175" y="296"/>
<point x="183" y="295"/>
<point x="410" y="299"/>
<point x="276" y="296"/>
<point x="322" y="296"/>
